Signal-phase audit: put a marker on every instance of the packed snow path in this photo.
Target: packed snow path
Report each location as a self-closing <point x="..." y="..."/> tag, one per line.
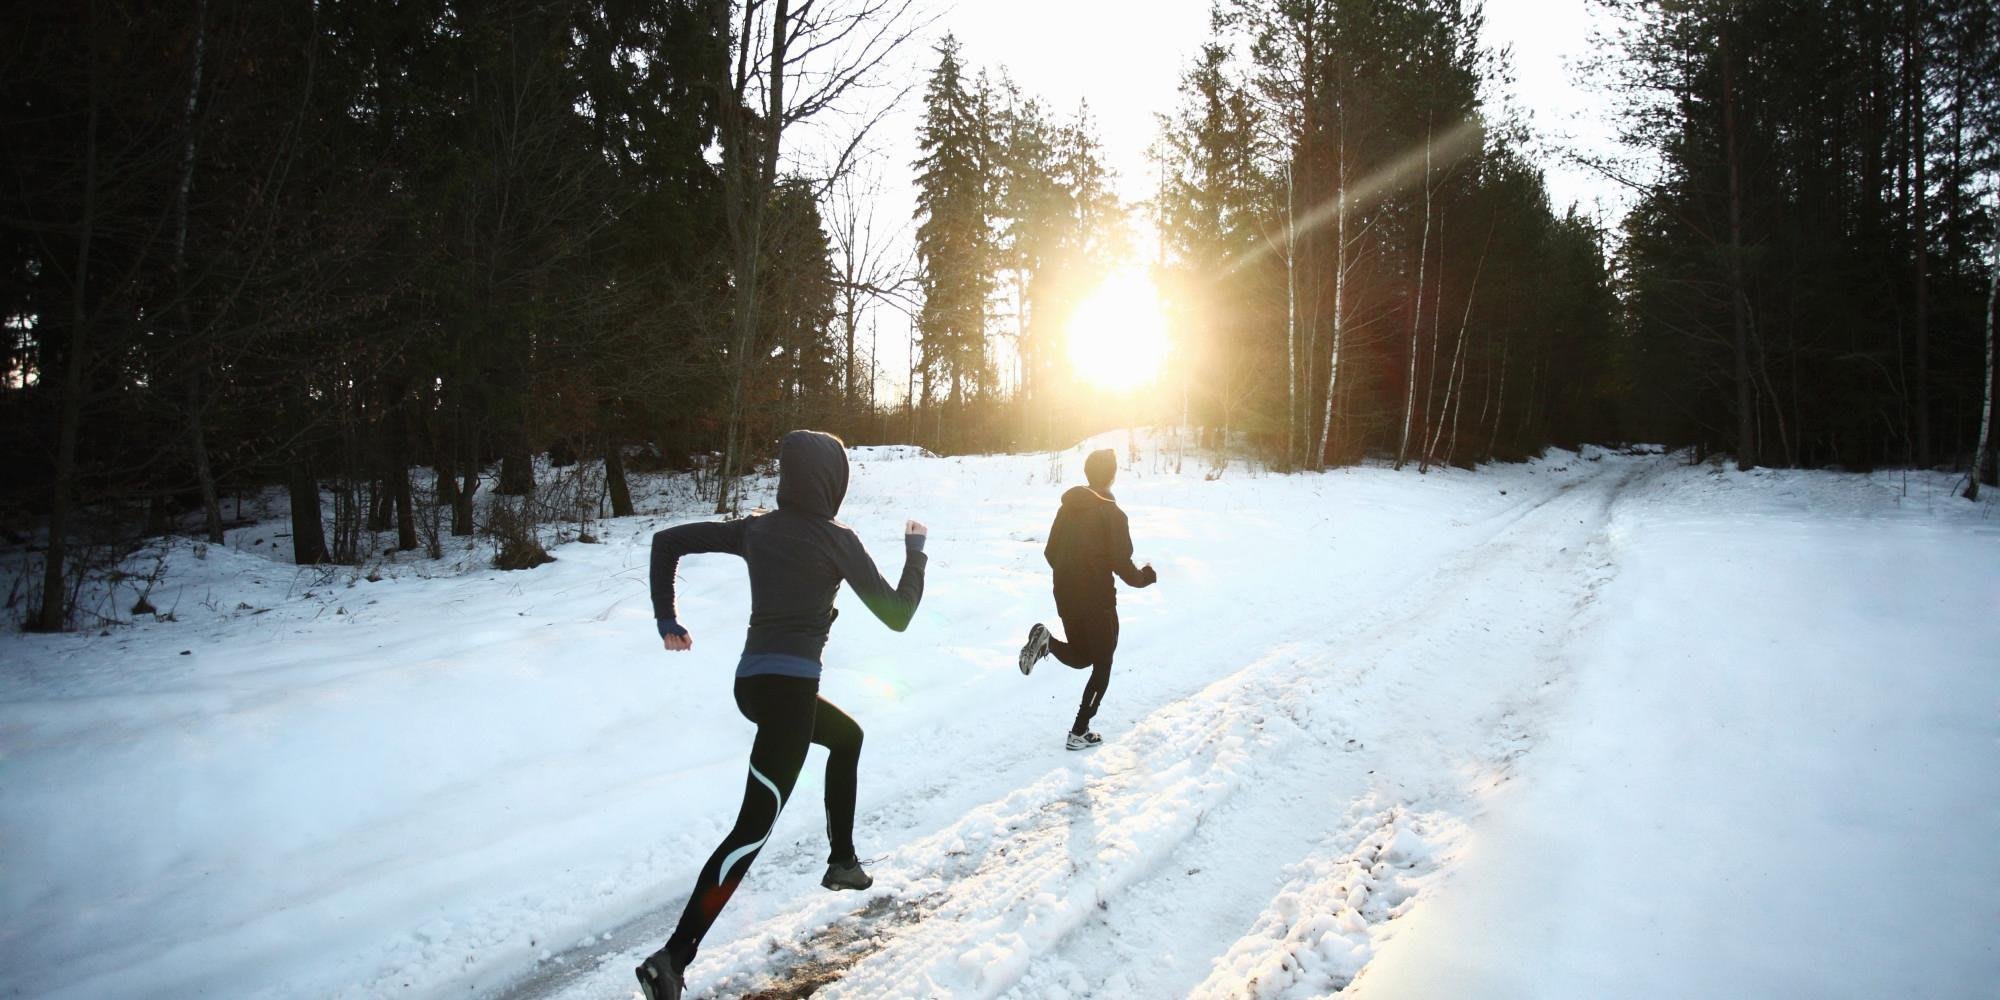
<point x="1373" y="731"/>
<point x="1334" y="755"/>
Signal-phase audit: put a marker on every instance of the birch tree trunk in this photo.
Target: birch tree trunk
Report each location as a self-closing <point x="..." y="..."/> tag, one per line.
<point x="1417" y="313"/>
<point x="1913" y="71"/>
<point x="1458" y="371"/>
<point x="1979" y="454"/>
<point x="1291" y="323"/>
<point x="1339" y="290"/>
<point x="1500" y="403"/>
<point x="1739" y="303"/>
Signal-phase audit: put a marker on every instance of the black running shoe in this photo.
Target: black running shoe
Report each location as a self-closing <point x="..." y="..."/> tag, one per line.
<point x="660" y="976"/>
<point x="1036" y="647"/>
<point x="1085" y="741"/>
<point x="847" y="875"/>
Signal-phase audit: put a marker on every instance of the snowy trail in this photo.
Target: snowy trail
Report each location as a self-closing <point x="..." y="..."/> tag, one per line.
<point x="1373" y="731"/>
<point x="1078" y="878"/>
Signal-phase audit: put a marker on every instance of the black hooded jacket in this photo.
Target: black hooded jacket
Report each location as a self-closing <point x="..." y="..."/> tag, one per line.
<point x="797" y="556"/>
<point x="1089" y="541"/>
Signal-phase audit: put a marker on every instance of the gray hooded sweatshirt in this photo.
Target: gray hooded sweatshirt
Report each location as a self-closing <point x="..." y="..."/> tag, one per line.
<point x="797" y="556"/>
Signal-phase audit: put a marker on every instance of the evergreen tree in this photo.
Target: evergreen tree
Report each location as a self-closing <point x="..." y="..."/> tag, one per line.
<point x="954" y="239"/>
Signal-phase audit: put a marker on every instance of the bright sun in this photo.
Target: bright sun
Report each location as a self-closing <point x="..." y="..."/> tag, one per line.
<point x="1118" y="335"/>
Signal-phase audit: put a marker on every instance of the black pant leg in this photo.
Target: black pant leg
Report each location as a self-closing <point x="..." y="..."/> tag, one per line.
<point x="841" y="736"/>
<point x="1075" y="651"/>
<point x="783" y="709"/>
<point x="1103" y="629"/>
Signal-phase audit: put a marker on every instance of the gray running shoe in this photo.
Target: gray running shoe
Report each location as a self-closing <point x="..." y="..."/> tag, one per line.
<point x="846" y="876"/>
<point x="1086" y="741"/>
<point x="1036" y="647"/>
<point x="660" y="977"/>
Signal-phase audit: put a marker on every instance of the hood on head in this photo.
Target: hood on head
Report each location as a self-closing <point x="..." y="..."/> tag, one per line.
<point x="812" y="473"/>
<point x="1100" y="467"/>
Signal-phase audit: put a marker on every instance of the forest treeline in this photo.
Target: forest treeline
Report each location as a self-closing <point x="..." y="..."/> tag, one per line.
<point x="323" y="243"/>
<point x="1810" y="280"/>
<point x="385" y="255"/>
<point x="1366" y="259"/>
<point x="1806" y="277"/>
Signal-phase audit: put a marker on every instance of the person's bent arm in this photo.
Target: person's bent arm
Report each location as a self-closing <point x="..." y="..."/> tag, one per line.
<point x="894" y="605"/>
<point x="668" y="548"/>
<point x="1118" y="552"/>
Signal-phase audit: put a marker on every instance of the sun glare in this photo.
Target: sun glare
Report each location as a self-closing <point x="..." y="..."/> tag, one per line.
<point x="1118" y="335"/>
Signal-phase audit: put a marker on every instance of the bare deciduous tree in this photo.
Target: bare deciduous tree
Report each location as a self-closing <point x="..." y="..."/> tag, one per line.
<point x="789" y="62"/>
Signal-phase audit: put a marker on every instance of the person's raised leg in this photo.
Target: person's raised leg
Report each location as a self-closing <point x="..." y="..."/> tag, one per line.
<point x="783" y="709"/>
<point x="1076" y="652"/>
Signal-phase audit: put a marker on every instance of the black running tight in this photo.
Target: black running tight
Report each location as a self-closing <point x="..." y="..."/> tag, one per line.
<point x="789" y="714"/>
<point x="1092" y="639"/>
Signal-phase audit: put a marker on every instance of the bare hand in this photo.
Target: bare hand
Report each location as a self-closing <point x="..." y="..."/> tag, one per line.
<point x="915" y="528"/>
<point x="679" y="643"/>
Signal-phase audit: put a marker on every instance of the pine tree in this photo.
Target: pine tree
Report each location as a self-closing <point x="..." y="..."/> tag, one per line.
<point x="954" y="241"/>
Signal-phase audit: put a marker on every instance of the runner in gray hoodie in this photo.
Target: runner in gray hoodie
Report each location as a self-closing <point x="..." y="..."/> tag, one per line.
<point x="797" y="556"/>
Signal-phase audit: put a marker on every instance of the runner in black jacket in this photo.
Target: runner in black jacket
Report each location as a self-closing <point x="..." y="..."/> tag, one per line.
<point x="1089" y="541"/>
<point x="797" y="557"/>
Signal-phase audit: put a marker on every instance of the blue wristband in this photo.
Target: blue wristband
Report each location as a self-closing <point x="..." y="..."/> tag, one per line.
<point x="670" y="627"/>
<point x="915" y="543"/>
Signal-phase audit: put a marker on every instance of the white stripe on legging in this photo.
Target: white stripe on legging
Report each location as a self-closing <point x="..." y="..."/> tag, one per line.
<point x="730" y="862"/>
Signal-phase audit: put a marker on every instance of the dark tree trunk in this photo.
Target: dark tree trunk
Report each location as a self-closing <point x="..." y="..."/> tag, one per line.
<point x="378" y="504"/>
<point x="399" y="474"/>
<point x="159" y="514"/>
<point x="54" y="612"/>
<point x="517" y="470"/>
<point x="447" y="485"/>
<point x="468" y="486"/>
<point x="461" y="505"/>
<point x="210" y="505"/>
<point x="308" y="531"/>
<point x="197" y="435"/>
<point x="614" y="476"/>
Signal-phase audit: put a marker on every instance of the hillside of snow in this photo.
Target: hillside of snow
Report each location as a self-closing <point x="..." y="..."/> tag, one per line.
<point x="1602" y="724"/>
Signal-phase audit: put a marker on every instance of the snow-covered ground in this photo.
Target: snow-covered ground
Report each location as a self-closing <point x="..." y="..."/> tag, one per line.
<point x="1599" y="725"/>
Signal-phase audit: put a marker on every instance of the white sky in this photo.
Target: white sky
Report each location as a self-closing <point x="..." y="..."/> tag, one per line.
<point x="1126" y="57"/>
